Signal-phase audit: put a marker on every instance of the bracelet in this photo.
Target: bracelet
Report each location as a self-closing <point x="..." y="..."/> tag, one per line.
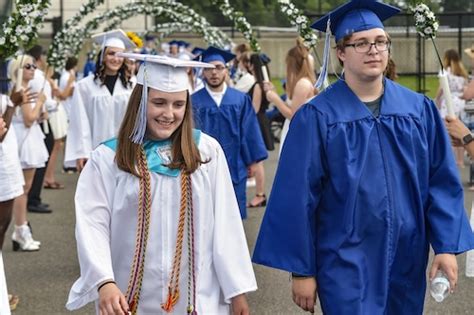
<point x="104" y="283"/>
<point x="298" y="276"/>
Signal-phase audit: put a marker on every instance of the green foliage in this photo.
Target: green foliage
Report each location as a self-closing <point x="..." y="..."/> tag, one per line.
<point x="20" y="30"/>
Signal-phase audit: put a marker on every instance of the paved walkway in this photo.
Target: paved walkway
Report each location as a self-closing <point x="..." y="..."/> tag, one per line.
<point x="43" y="279"/>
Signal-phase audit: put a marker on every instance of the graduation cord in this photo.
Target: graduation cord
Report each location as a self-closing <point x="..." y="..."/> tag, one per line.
<point x="185" y="210"/>
<point x="191" y="266"/>
<point x="173" y="287"/>
<point x="143" y="224"/>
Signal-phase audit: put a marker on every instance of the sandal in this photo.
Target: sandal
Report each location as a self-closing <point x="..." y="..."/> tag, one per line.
<point x="13" y="301"/>
<point x="53" y="185"/>
<point x="262" y="203"/>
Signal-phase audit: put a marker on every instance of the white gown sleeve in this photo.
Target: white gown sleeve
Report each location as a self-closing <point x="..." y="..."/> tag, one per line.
<point x="93" y="200"/>
<point x="230" y="251"/>
<point x="79" y="138"/>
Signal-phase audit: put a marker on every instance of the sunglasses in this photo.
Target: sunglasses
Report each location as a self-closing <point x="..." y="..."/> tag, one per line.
<point x="29" y="66"/>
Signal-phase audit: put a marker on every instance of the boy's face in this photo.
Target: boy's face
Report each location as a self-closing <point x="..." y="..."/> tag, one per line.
<point x="215" y="77"/>
<point x="365" y="65"/>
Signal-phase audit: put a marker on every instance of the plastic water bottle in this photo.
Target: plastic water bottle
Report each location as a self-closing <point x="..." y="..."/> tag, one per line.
<point x="439" y="286"/>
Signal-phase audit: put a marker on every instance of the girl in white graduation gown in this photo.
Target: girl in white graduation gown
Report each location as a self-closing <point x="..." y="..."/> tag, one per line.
<point x="158" y="225"/>
<point x="99" y="101"/>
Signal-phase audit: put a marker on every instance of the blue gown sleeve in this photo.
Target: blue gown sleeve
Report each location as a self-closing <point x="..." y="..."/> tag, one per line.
<point x="252" y="146"/>
<point x="287" y="235"/>
<point x="448" y="227"/>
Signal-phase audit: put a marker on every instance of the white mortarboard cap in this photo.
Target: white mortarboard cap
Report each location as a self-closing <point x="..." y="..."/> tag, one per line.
<point x="116" y="38"/>
<point x="164" y="73"/>
<point x="161" y="73"/>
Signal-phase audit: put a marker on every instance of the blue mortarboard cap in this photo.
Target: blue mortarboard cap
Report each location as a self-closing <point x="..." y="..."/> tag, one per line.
<point x="182" y="43"/>
<point x="173" y="43"/>
<point x="355" y="16"/>
<point x="197" y="51"/>
<point x="149" y="37"/>
<point x="215" y="54"/>
<point x="264" y="58"/>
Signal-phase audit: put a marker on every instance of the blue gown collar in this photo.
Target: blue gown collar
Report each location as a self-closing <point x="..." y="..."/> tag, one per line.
<point x="158" y="153"/>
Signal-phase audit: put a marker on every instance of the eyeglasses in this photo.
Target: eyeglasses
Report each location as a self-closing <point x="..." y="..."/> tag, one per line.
<point x="29" y="66"/>
<point x="364" y="47"/>
<point x="217" y="68"/>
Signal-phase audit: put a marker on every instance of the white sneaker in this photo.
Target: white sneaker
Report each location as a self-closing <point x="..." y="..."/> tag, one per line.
<point x="22" y="239"/>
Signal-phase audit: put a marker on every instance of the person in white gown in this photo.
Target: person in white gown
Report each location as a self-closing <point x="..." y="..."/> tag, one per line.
<point x="158" y="226"/>
<point x="99" y="101"/>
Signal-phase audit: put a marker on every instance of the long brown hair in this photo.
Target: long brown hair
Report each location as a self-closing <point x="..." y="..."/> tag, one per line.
<point x="453" y="61"/>
<point x="185" y="154"/>
<point x="298" y="66"/>
<point x="100" y="75"/>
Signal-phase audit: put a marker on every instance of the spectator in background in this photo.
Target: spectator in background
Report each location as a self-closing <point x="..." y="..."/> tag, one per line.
<point x="32" y="150"/>
<point x="246" y="79"/>
<point x="41" y="84"/>
<point x="235" y="72"/>
<point x="89" y="66"/>
<point x="12" y="181"/>
<point x="300" y="80"/>
<point x="457" y="79"/>
<point x="470" y="53"/>
<point x="253" y="64"/>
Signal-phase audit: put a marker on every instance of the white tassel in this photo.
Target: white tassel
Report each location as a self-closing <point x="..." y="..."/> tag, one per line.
<point x="322" y="79"/>
<point x="139" y="129"/>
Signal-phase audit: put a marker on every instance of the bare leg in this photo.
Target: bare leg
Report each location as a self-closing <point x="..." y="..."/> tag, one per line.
<point x="260" y="197"/>
<point x="19" y="206"/>
<point x="49" y="174"/>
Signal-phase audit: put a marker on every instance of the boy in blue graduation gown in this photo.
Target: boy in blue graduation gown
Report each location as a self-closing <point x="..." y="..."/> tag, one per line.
<point x="365" y="184"/>
<point x="227" y="115"/>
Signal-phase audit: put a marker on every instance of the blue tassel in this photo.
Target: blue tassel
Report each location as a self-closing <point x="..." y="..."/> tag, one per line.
<point x="324" y="69"/>
<point x="139" y="129"/>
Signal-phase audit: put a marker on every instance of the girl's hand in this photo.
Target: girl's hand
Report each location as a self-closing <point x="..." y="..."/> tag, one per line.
<point x="239" y="305"/>
<point x="112" y="301"/>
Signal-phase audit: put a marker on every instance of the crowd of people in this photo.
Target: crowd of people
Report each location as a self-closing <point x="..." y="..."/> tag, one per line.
<point x="170" y="137"/>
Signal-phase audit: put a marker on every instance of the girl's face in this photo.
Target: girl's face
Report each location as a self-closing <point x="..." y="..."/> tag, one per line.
<point x="29" y="68"/>
<point x="112" y="62"/>
<point x="165" y="113"/>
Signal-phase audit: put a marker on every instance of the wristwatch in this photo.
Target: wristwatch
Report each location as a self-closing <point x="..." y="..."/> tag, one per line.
<point x="467" y="139"/>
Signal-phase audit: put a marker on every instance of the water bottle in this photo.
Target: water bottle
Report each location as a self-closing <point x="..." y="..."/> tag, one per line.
<point x="439" y="286"/>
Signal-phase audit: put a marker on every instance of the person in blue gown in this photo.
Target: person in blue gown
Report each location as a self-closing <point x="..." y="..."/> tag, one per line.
<point x="227" y="115"/>
<point x="365" y="184"/>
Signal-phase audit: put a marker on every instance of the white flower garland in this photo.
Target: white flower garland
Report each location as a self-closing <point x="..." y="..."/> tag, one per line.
<point x="177" y="12"/>
<point x="240" y="22"/>
<point x="170" y="9"/>
<point x="21" y="28"/>
<point x="301" y="22"/>
<point x="425" y="21"/>
<point x="58" y="52"/>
